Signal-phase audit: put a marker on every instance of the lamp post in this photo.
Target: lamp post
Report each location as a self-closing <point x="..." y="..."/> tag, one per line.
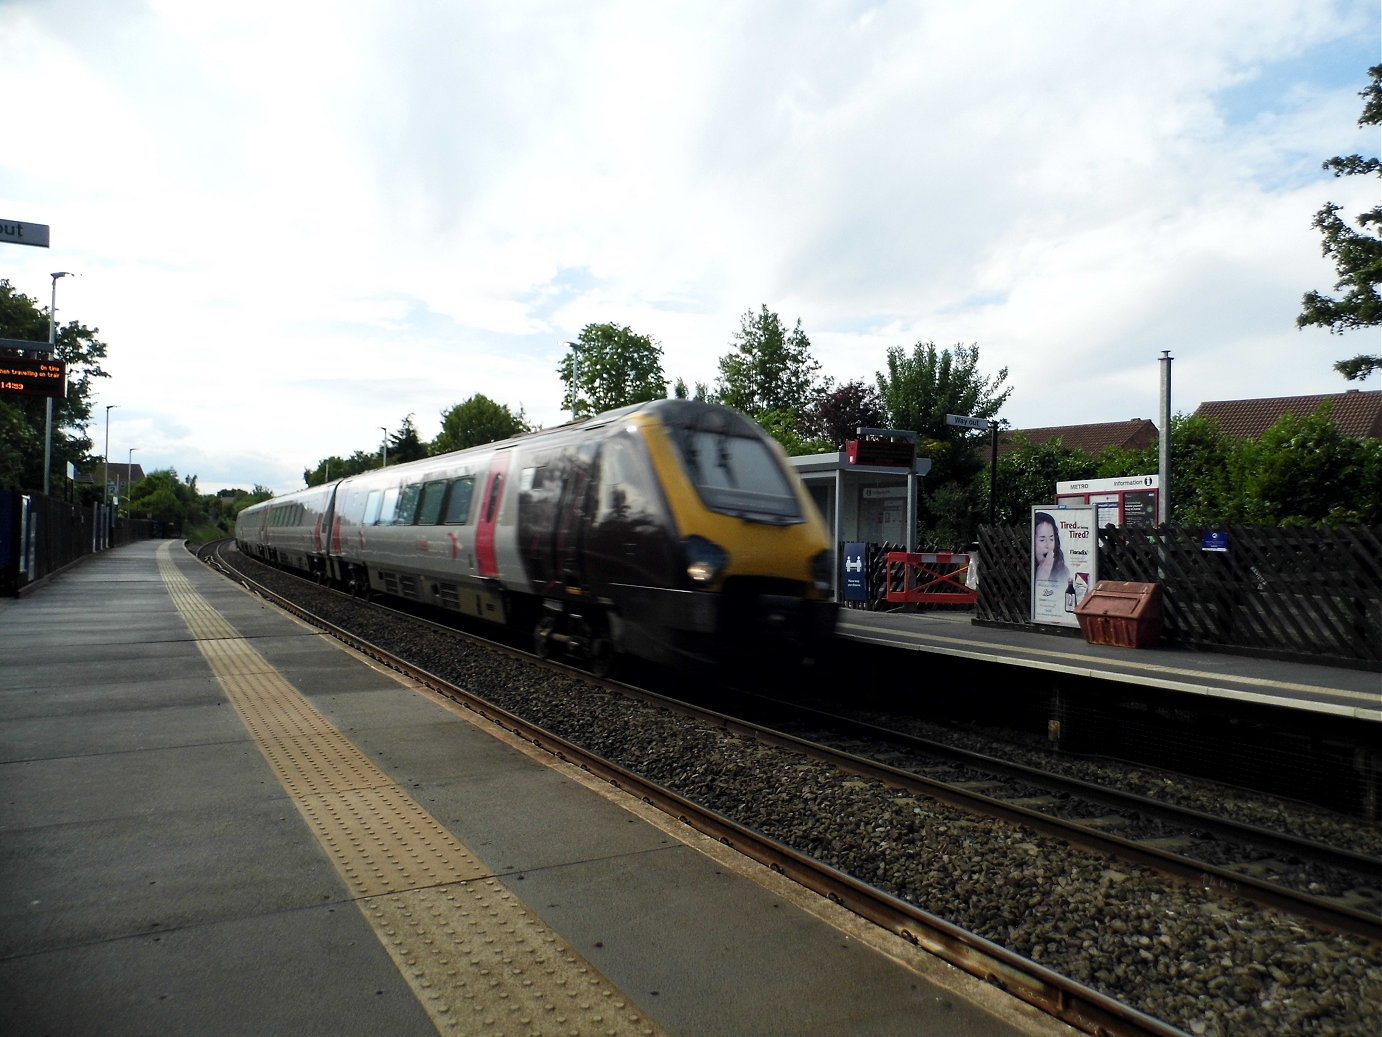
<point x="48" y="409"/>
<point x="129" y="474"/>
<point x="105" y="457"/>
<point x="385" y="453"/>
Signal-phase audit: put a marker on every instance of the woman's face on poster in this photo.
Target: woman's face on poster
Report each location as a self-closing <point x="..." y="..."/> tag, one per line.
<point x="1045" y="541"/>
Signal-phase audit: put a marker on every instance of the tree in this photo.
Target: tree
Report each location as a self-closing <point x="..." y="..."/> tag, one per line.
<point x="1027" y="475"/>
<point x="476" y="421"/>
<point x="1357" y="255"/>
<point x="918" y="390"/>
<point x="24" y="419"/>
<point x="404" y="444"/>
<point x="610" y="366"/>
<point x="334" y="467"/>
<point x="162" y="497"/>
<point x="771" y="369"/>
<point x="837" y="416"/>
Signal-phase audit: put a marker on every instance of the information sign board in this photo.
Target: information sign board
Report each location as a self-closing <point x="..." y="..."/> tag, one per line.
<point x="856" y="566"/>
<point x="28" y="377"/>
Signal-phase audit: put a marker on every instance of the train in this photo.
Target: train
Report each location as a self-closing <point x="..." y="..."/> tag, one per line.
<point x="673" y="531"/>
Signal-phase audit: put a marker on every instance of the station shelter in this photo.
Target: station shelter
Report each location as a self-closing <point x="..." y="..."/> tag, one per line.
<point x="868" y="492"/>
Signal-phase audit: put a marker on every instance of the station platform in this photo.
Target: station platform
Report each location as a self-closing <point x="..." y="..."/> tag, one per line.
<point x="217" y="820"/>
<point x="1314" y="687"/>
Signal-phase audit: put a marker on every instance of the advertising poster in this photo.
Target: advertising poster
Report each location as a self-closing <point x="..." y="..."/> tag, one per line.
<point x="1064" y="552"/>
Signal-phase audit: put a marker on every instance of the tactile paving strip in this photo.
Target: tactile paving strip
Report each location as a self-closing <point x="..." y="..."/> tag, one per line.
<point x="475" y="957"/>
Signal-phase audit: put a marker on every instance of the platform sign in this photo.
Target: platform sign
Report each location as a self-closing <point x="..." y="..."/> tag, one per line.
<point x="965" y="421"/>
<point x="17" y="233"/>
<point x="1213" y="541"/>
<point x="856" y="566"/>
<point x="1064" y="562"/>
<point x="27" y="377"/>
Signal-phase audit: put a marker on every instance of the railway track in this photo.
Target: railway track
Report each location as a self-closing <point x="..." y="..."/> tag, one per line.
<point x="1330" y="885"/>
<point x="1075" y="1002"/>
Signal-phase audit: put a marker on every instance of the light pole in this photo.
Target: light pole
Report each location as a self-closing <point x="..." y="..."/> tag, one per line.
<point x="105" y="458"/>
<point x="48" y="409"/>
<point x="129" y="475"/>
<point x="385" y="453"/>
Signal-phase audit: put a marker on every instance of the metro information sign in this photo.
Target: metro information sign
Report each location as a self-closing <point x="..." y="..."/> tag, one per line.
<point x="25" y="377"/>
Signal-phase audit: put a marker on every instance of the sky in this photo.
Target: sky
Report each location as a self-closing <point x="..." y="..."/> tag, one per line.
<point x="297" y="223"/>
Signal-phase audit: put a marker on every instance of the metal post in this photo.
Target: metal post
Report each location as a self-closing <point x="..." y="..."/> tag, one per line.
<point x="105" y="457"/>
<point x="993" y="473"/>
<point x="385" y="453"/>
<point x="48" y="409"/>
<point x="1163" y="511"/>
<point x="129" y="477"/>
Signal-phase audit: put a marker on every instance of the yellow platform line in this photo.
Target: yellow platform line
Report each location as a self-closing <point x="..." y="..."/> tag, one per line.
<point x="475" y="957"/>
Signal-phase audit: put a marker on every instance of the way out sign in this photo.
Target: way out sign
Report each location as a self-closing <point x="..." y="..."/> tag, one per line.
<point x="17" y="233"/>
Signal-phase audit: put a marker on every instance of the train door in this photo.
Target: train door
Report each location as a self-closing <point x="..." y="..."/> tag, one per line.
<point x="485" y="555"/>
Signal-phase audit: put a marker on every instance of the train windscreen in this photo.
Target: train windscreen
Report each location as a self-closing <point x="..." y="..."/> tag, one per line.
<point x="737" y="475"/>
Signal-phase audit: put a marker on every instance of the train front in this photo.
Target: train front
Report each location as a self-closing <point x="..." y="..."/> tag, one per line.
<point x="756" y="553"/>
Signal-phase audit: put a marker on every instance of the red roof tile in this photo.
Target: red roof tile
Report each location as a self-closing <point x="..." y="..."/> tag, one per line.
<point x="1134" y="434"/>
<point x="1357" y="412"/>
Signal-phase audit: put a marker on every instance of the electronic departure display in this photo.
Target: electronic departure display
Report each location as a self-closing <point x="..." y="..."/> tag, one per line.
<point x="26" y="377"/>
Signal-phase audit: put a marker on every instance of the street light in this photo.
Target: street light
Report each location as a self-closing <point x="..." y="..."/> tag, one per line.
<point x="105" y="457"/>
<point x="129" y="474"/>
<point x="385" y="454"/>
<point x="48" y="409"/>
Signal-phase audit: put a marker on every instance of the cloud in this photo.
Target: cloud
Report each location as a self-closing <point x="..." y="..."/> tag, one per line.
<point x="296" y="223"/>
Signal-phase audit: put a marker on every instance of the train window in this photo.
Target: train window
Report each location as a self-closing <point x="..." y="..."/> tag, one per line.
<point x="429" y="505"/>
<point x="407" y="504"/>
<point x="458" y="503"/>
<point x="623" y="484"/>
<point x="388" y="506"/>
<point x="737" y="475"/>
<point x="372" y="503"/>
<point x="492" y="505"/>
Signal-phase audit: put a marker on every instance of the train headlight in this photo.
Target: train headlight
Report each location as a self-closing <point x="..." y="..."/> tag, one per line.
<point x="705" y="561"/>
<point x="823" y="573"/>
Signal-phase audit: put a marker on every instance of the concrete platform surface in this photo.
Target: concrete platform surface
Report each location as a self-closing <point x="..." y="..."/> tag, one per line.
<point x="216" y="820"/>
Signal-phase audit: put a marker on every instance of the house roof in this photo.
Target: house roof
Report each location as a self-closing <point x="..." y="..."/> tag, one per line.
<point x="1133" y="434"/>
<point x="1356" y="412"/>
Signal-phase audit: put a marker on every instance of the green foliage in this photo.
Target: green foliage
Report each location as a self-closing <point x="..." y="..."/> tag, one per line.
<point x="335" y="467"/>
<point x="161" y="496"/>
<point x="1302" y="470"/>
<point x="23" y="419"/>
<point x="785" y="427"/>
<point x="1357" y="254"/>
<point x="770" y="369"/>
<point x="610" y="366"/>
<point x="1028" y="475"/>
<point x="917" y="391"/>
<point x="476" y="421"/>
<point x="702" y="392"/>
<point x="404" y="444"/>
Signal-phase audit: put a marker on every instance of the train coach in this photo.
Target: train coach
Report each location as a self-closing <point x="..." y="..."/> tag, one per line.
<point x="672" y="530"/>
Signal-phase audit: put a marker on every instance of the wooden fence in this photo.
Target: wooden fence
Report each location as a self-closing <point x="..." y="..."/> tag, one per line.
<point x="1294" y="592"/>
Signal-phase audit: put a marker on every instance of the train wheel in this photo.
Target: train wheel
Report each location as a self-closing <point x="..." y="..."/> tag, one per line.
<point x="602" y="657"/>
<point x="542" y="637"/>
